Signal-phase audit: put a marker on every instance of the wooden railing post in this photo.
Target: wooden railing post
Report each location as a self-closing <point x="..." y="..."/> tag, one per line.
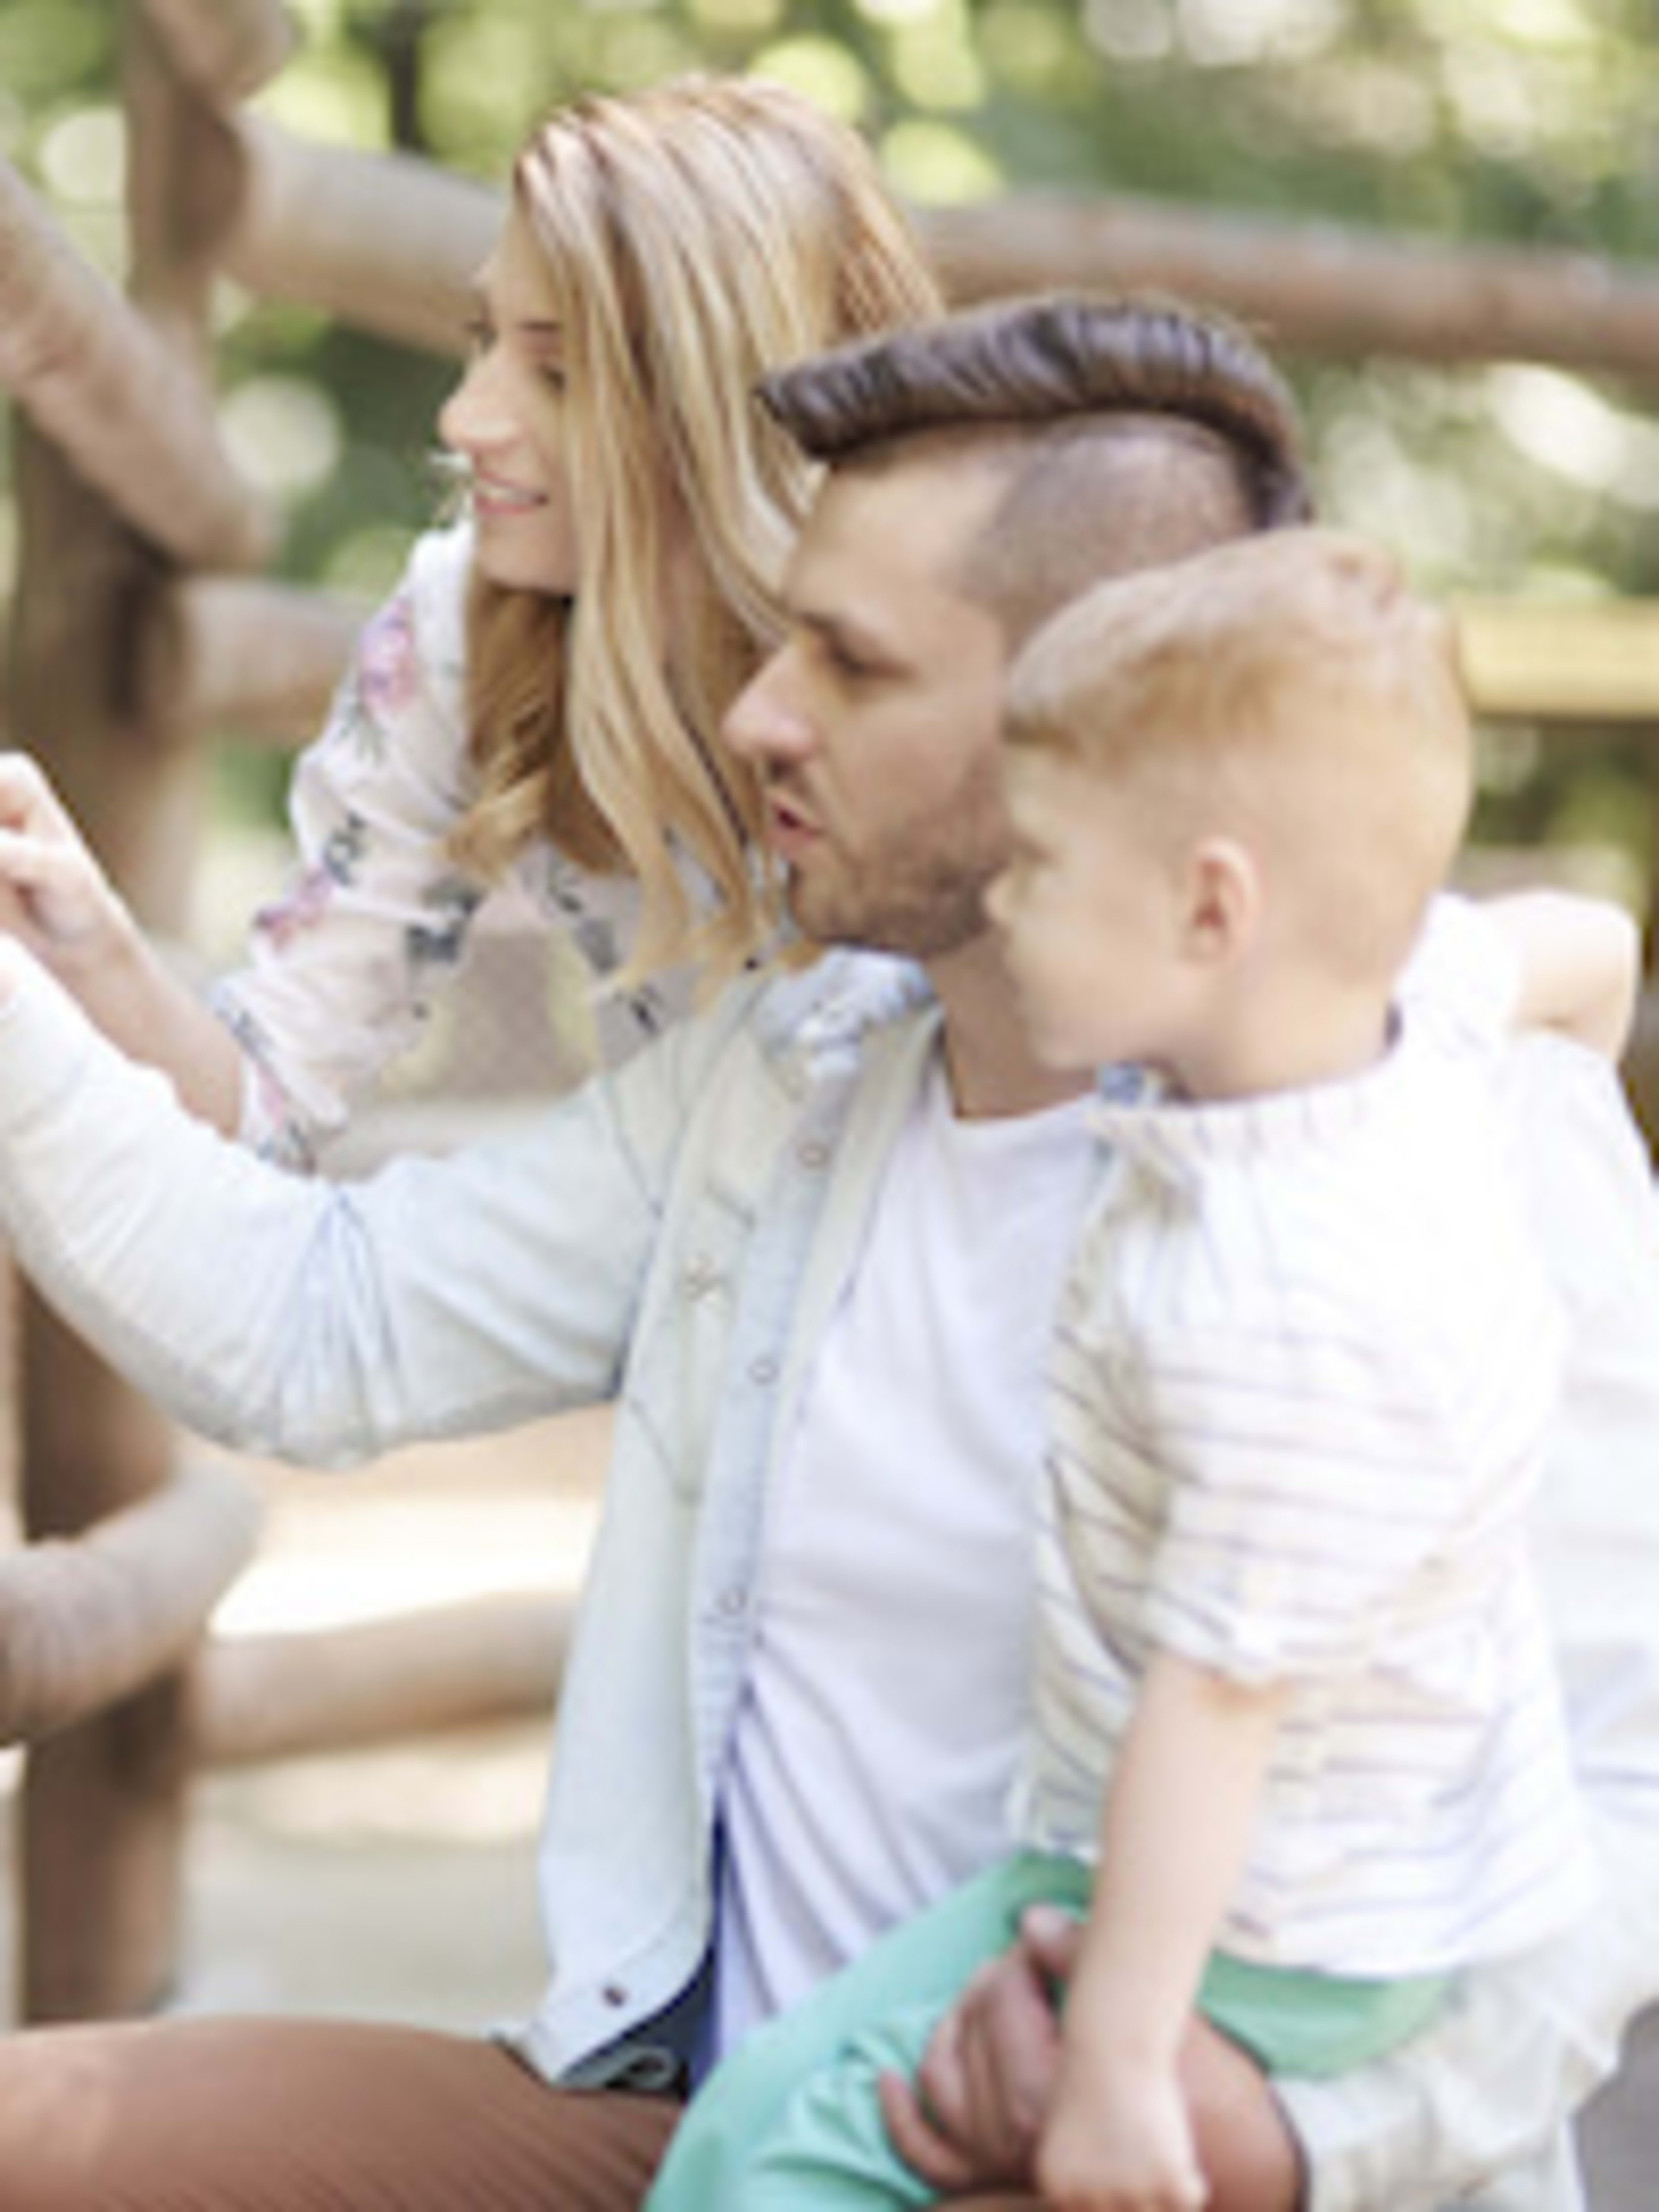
<point x="104" y="1804"/>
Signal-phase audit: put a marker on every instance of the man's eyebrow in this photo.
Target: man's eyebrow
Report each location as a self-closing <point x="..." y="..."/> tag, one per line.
<point x="841" y="627"/>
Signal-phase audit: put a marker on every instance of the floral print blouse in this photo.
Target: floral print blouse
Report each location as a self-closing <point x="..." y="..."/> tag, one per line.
<point x="375" y="918"/>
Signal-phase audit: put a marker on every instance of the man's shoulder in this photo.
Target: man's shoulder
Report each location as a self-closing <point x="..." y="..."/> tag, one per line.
<point x="805" y="1023"/>
<point x="819" y="1012"/>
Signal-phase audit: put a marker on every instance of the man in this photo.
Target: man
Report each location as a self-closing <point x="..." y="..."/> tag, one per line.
<point x="811" y="1240"/>
<point x="882" y="415"/>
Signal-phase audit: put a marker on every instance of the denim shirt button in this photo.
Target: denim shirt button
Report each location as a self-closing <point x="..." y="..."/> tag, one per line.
<point x="814" y="1155"/>
<point x="700" y="1277"/>
<point x="734" y="1600"/>
<point x="763" y="1371"/>
<point x="614" y="1994"/>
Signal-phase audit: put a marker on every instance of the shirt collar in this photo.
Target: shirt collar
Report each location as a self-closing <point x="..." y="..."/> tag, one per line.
<point x="1177" y="1139"/>
<point x="823" y="1015"/>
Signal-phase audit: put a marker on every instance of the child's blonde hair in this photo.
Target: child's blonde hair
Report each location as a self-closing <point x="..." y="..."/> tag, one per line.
<point x="694" y="237"/>
<point x="1290" y="691"/>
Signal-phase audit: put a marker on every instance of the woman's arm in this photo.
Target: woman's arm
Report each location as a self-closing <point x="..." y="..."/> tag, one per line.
<point x="374" y="920"/>
<point x="1580" y="962"/>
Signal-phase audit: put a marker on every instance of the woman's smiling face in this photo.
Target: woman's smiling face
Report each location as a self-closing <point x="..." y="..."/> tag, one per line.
<point x="505" y="420"/>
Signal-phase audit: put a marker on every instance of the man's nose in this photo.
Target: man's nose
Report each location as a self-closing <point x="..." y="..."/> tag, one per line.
<point x="766" y="722"/>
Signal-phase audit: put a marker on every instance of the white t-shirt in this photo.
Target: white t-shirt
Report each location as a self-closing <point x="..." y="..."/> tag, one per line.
<point x="889" y="1683"/>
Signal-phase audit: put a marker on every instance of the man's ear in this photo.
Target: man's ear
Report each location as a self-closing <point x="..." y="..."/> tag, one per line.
<point x="1224" y="899"/>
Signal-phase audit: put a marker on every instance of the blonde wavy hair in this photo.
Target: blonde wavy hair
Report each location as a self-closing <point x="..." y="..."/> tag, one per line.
<point x="695" y="237"/>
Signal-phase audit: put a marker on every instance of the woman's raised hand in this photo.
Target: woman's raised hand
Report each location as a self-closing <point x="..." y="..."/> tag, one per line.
<point x="54" y="896"/>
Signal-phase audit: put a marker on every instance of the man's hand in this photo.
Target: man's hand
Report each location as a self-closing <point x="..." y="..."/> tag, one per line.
<point x="972" y="2118"/>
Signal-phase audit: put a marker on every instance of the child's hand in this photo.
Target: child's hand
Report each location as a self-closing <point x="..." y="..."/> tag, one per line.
<point x="1116" y="2139"/>
<point x="53" y="894"/>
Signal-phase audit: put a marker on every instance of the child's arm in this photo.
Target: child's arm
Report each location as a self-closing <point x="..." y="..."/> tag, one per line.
<point x="1175" y="1833"/>
<point x="1580" y="962"/>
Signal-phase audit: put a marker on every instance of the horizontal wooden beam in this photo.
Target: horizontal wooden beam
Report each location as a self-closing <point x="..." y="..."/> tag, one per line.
<point x="259" y="1698"/>
<point x="390" y="243"/>
<point x="1320" y="289"/>
<point x="1559" y="661"/>
<point x="254" y="658"/>
<point x="128" y="411"/>
<point x="259" y="660"/>
<point x="89" y="1619"/>
<point x="386" y="242"/>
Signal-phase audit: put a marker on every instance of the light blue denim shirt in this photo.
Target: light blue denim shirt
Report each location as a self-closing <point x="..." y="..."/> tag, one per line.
<point x="677" y="1235"/>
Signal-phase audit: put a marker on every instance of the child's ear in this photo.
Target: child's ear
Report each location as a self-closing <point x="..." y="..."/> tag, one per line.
<point x="1223" y="900"/>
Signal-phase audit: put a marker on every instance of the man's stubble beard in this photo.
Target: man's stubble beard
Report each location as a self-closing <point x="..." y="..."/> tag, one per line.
<point x="919" y="913"/>
<point x="916" y="892"/>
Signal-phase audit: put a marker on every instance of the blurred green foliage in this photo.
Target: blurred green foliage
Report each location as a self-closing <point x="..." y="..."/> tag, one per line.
<point x="1518" y="121"/>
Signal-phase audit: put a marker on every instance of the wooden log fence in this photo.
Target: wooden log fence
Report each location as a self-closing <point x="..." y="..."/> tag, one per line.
<point x="225" y="50"/>
<point x="1320" y="289"/>
<point x="390" y="244"/>
<point x="131" y="635"/>
<point x="248" y="654"/>
<point x="101" y="383"/>
<point x="260" y="1698"/>
<point x="386" y="242"/>
<point x="88" y="1622"/>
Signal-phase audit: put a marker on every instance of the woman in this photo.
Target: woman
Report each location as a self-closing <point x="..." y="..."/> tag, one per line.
<point x="540" y="699"/>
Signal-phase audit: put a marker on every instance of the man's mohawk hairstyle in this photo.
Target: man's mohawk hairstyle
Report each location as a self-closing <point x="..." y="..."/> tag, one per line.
<point x="1044" y="359"/>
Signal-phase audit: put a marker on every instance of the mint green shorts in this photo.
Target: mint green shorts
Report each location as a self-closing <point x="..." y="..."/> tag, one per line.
<point x="790" y="2123"/>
